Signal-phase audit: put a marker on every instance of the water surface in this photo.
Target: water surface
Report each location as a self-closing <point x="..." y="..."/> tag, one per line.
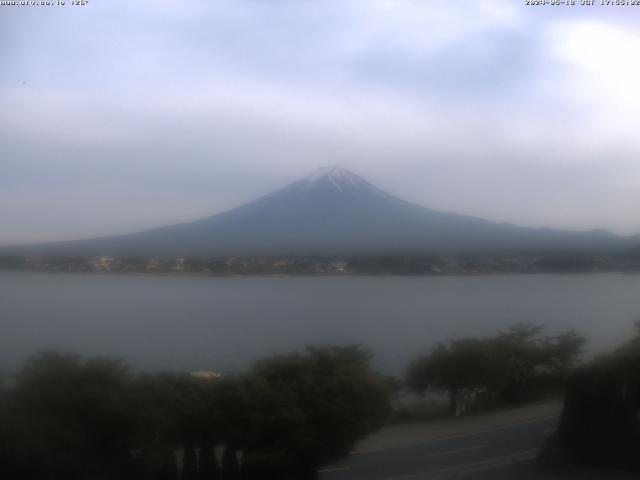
<point x="176" y="323"/>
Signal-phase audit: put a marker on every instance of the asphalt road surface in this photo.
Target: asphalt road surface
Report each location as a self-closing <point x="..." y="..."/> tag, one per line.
<point x="503" y="452"/>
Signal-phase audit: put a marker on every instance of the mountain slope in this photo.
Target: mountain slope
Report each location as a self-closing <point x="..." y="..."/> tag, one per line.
<point x="334" y="211"/>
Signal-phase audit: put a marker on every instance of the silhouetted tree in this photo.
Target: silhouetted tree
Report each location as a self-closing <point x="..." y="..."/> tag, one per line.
<point x="320" y="402"/>
<point x="599" y="422"/>
<point x="72" y="418"/>
<point x="524" y="359"/>
<point x="457" y="368"/>
<point x="508" y="367"/>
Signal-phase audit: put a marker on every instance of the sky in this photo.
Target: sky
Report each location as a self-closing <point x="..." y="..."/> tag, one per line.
<point x="123" y="115"/>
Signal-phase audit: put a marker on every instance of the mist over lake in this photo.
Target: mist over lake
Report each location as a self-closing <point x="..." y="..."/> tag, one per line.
<point x="193" y="323"/>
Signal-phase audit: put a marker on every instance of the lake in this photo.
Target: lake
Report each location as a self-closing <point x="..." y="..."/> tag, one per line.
<point x="193" y="323"/>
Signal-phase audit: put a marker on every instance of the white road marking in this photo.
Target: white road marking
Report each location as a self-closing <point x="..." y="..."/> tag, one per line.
<point x="334" y="469"/>
<point x="469" y="468"/>
<point x="498" y="462"/>
<point x="457" y="450"/>
<point x="456" y="435"/>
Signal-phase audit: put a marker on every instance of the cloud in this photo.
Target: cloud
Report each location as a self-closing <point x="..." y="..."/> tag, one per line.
<point x="603" y="74"/>
<point x="182" y="109"/>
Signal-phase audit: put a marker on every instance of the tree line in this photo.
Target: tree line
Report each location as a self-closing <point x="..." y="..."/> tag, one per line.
<point x="513" y="366"/>
<point x="65" y="418"/>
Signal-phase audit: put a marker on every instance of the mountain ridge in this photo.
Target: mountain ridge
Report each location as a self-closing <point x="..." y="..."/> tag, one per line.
<point x="335" y="211"/>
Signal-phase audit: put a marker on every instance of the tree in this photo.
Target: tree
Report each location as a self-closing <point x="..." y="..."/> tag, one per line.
<point x="321" y="403"/>
<point x="599" y="421"/>
<point x="71" y="418"/>
<point x="459" y="367"/>
<point x="509" y="367"/>
<point x="519" y="354"/>
<point x="525" y="359"/>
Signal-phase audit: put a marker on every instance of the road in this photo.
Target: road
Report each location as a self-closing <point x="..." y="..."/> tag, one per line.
<point x="498" y="452"/>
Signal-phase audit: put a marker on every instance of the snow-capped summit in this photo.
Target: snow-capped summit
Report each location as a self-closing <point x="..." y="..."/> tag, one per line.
<point x="337" y="179"/>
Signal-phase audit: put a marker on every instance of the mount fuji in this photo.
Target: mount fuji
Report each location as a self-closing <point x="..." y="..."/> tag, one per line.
<point x="334" y="211"/>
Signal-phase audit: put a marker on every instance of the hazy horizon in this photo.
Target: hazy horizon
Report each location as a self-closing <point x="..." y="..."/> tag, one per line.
<point x="119" y="117"/>
<point x="311" y="178"/>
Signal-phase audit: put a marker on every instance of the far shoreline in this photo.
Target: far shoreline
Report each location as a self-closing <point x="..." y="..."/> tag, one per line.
<point x="318" y="275"/>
